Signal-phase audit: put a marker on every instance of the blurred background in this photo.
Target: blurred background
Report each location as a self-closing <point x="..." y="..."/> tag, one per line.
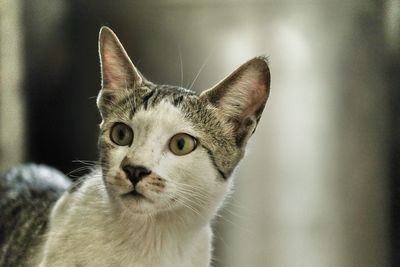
<point x="319" y="186"/>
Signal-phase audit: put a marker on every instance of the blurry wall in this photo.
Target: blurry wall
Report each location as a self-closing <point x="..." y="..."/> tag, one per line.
<point x="12" y="109"/>
<point x="318" y="186"/>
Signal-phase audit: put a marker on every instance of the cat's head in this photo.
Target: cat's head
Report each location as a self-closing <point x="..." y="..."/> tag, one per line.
<point x="164" y="147"/>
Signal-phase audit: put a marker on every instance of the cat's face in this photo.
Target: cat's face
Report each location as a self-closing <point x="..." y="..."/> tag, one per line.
<point x="164" y="147"/>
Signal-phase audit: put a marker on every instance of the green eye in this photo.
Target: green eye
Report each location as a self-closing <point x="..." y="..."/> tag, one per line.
<point x="121" y="134"/>
<point x="182" y="144"/>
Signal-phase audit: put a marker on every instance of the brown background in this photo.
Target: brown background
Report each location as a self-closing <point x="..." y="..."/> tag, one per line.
<point x="319" y="185"/>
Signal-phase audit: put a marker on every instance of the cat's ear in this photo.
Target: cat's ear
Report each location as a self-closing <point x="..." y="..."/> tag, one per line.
<point x="118" y="75"/>
<point x="242" y="96"/>
<point x="117" y="70"/>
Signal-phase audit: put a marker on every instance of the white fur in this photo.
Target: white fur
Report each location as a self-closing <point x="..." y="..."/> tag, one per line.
<point x="95" y="226"/>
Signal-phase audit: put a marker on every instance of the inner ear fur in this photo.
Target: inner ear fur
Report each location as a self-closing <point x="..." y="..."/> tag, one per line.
<point x="242" y="96"/>
<point x="117" y="69"/>
<point x="118" y="74"/>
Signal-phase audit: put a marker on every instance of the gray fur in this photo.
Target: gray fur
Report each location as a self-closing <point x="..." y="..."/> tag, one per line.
<point x="27" y="194"/>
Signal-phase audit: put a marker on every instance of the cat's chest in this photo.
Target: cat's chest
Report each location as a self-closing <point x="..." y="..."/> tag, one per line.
<point x="111" y="254"/>
<point x="101" y="249"/>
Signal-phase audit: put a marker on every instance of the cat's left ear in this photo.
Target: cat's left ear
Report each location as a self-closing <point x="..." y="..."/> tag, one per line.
<point x="242" y="96"/>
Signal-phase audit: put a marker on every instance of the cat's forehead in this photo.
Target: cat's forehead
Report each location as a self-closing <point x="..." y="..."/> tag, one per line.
<point x="162" y="116"/>
<point x="151" y="94"/>
<point x="154" y="108"/>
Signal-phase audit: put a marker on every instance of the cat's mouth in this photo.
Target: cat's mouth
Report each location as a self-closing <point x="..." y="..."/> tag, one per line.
<point x="134" y="193"/>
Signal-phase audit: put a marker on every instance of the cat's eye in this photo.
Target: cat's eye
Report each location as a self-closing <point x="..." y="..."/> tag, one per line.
<point x="182" y="144"/>
<point x="121" y="134"/>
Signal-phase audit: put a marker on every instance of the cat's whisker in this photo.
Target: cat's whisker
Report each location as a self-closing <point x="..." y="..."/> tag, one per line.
<point x="191" y="189"/>
<point x="86" y="161"/>
<point x="234" y="224"/>
<point x="79" y="170"/>
<point x="181" y="198"/>
<point x="236" y="205"/>
<point x="197" y="191"/>
<point x="181" y="61"/>
<point x="89" y="165"/>
<point x="200" y="70"/>
<point x="198" y="73"/>
<point x="195" y="186"/>
<point x="234" y="214"/>
<point x="190" y="199"/>
<point x="193" y="209"/>
<point x="194" y="195"/>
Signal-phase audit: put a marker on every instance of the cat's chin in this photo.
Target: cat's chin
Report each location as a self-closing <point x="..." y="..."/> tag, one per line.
<point x="139" y="203"/>
<point x="135" y="194"/>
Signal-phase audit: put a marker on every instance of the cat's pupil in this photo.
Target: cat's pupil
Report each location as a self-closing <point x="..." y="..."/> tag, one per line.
<point x="180" y="143"/>
<point x="121" y="134"/>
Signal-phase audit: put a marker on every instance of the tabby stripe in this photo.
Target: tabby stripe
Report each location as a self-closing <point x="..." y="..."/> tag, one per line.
<point x="158" y="93"/>
<point x="214" y="162"/>
<point x="178" y="100"/>
<point x="146" y="98"/>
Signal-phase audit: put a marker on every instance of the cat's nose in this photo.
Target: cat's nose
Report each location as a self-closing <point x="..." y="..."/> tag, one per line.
<point x="135" y="173"/>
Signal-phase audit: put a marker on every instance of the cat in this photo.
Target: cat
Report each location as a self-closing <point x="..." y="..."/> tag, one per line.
<point x="166" y="161"/>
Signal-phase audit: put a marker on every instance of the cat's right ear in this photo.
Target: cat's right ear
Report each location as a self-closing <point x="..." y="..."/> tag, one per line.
<point x="118" y="74"/>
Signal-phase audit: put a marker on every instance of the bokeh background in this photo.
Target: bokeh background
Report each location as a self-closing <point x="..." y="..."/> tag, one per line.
<point x="320" y="184"/>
